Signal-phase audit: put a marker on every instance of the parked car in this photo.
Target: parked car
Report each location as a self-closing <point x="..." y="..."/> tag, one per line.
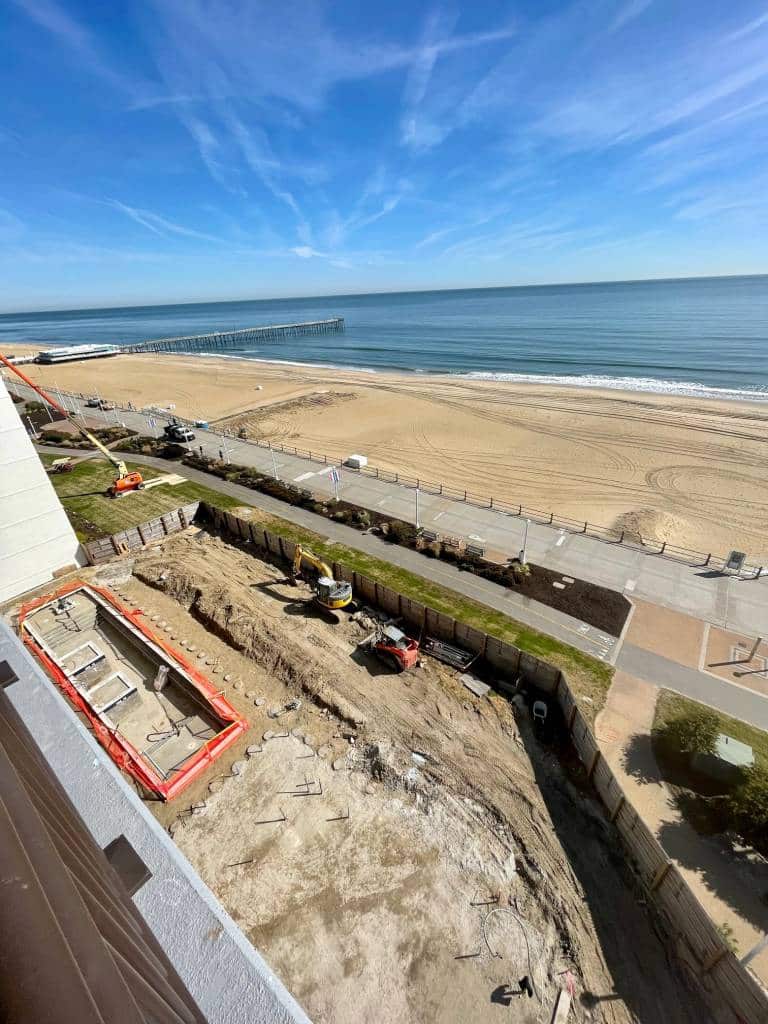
<point x="100" y="403"/>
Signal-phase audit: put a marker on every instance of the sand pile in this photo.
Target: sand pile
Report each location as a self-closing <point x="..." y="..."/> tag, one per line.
<point x="649" y="525"/>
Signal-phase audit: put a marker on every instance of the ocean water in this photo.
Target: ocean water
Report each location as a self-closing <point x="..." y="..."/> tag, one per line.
<point x="704" y="336"/>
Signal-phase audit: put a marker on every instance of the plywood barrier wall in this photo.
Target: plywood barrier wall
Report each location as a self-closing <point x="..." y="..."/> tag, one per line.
<point x="136" y="537"/>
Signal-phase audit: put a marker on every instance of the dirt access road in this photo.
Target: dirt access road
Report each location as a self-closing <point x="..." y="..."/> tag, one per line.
<point x="467" y="860"/>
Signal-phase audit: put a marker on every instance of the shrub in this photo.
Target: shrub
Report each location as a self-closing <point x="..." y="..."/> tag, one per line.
<point x="35" y="407"/>
<point x="401" y="533"/>
<point x="520" y="572"/>
<point x="694" y="732"/>
<point x="728" y="937"/>
<point x="55" y="436"/>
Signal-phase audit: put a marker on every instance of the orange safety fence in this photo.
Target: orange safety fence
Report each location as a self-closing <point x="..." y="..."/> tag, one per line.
<point x="122" y="752"/>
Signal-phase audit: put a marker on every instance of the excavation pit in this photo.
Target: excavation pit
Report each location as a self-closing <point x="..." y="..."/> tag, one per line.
<point x="159" y="718"/>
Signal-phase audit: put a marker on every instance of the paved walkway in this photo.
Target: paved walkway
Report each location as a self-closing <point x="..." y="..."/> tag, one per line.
<point x="728" y="884"/>
<point x="731" y="699"/>
<point x="723" y="600"/>
<point x="643" y="663"/>
<point x="530" y="613"/>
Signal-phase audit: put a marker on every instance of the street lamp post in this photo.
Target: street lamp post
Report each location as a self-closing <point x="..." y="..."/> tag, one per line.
<point x="524" y="548"/>
<point x="418" y="524"/>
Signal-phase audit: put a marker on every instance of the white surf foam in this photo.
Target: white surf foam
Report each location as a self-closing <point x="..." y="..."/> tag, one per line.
<point x="650" y="385"/>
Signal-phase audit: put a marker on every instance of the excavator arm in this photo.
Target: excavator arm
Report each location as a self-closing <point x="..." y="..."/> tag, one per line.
<point x="305" y="555"/>
<point x="125" y="481"/>
<point x="329" y="593"/>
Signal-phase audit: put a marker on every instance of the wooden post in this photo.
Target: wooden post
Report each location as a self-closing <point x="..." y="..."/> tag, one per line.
<point x="619" y="804"/>
<point x="661" y="874"/>
<point x="713" y="959"/>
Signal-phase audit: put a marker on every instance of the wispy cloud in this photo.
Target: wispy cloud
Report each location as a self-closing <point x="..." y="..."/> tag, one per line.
<point x="748" y="197"/>
<point x="256" y="149"/>
<point x="159" y="225"/>
<point x="420" y="131"/>
<point x="52" y="17"/>
<point x="761" y="22"/>
<point x="307" y="252"/>
<point x="628" y="12"/>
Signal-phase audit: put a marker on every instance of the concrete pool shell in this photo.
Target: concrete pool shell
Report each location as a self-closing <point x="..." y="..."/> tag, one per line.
<point x="158" y="717"/>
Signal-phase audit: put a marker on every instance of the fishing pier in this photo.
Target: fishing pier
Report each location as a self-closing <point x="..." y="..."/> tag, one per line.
<point x="225" y="339"/>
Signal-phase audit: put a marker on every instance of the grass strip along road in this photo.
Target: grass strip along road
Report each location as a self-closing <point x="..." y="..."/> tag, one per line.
<point x="82" y="494"/>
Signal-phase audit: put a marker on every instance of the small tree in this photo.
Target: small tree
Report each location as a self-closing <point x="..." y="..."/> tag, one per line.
<point x="748" y="807"/>
<point x="693" y="732"/>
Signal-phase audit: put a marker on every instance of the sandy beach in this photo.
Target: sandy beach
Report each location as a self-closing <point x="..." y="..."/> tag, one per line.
<point x="689" y="471"/>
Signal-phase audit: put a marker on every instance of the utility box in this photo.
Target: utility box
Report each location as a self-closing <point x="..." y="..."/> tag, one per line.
<point x="730" y="759"/>
<point x="356" y="461"/>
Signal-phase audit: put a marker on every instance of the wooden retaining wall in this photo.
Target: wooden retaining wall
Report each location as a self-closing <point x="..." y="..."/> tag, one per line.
<point x="734" y="994"/>
<point x="136" y="537"/>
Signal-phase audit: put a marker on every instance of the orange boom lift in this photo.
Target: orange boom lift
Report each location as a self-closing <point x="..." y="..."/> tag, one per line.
<point x="124" y="482"/>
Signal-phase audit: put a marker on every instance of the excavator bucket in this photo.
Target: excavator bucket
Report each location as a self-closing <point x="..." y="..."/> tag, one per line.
<point x="125" y="484"/>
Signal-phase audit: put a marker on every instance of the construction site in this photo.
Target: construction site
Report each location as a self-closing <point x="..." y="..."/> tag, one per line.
<point x="399" y="841"/>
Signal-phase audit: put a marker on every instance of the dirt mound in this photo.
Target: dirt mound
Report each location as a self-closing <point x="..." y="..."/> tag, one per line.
<point x="648" y="524"/>
<point x="237" y="618"/>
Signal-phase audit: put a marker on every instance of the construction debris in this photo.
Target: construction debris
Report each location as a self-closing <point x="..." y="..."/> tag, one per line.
<point x="447" y="653"/>
<point x="479" y="688"/>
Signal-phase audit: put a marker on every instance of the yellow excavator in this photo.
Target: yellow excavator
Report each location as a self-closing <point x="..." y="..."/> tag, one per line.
<point x="124" y="482"/>
<point x="329" y="593"/>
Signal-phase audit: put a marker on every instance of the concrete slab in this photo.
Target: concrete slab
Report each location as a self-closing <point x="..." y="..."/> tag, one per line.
<point x="674" y="635"/>
<point x="479" y="688"/>
<point x="727" y="656"/>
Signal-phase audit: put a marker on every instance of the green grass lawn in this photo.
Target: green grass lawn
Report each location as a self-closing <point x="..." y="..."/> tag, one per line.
<point x="94" y="514"/>
<point x="587" y="676"/>
<point x="672" y="705"/>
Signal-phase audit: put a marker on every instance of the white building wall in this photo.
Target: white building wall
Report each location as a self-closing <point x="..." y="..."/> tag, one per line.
<point x="36" y="538"/>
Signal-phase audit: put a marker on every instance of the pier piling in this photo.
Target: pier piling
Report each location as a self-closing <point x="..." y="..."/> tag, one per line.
<point x="223" y="339"/>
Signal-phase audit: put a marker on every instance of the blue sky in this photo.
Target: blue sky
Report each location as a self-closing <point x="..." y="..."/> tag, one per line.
<point x="183" y="150"/>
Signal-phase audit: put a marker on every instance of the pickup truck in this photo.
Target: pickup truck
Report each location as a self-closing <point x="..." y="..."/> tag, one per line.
<point x="178" y="432"/>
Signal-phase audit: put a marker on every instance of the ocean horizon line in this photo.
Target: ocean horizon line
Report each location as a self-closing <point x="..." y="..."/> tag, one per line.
<point x="451" y="289"/>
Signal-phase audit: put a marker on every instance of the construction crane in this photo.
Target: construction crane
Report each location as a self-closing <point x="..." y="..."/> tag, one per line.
<point x="124" y="482"/>
<point x="329" y="593"/>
